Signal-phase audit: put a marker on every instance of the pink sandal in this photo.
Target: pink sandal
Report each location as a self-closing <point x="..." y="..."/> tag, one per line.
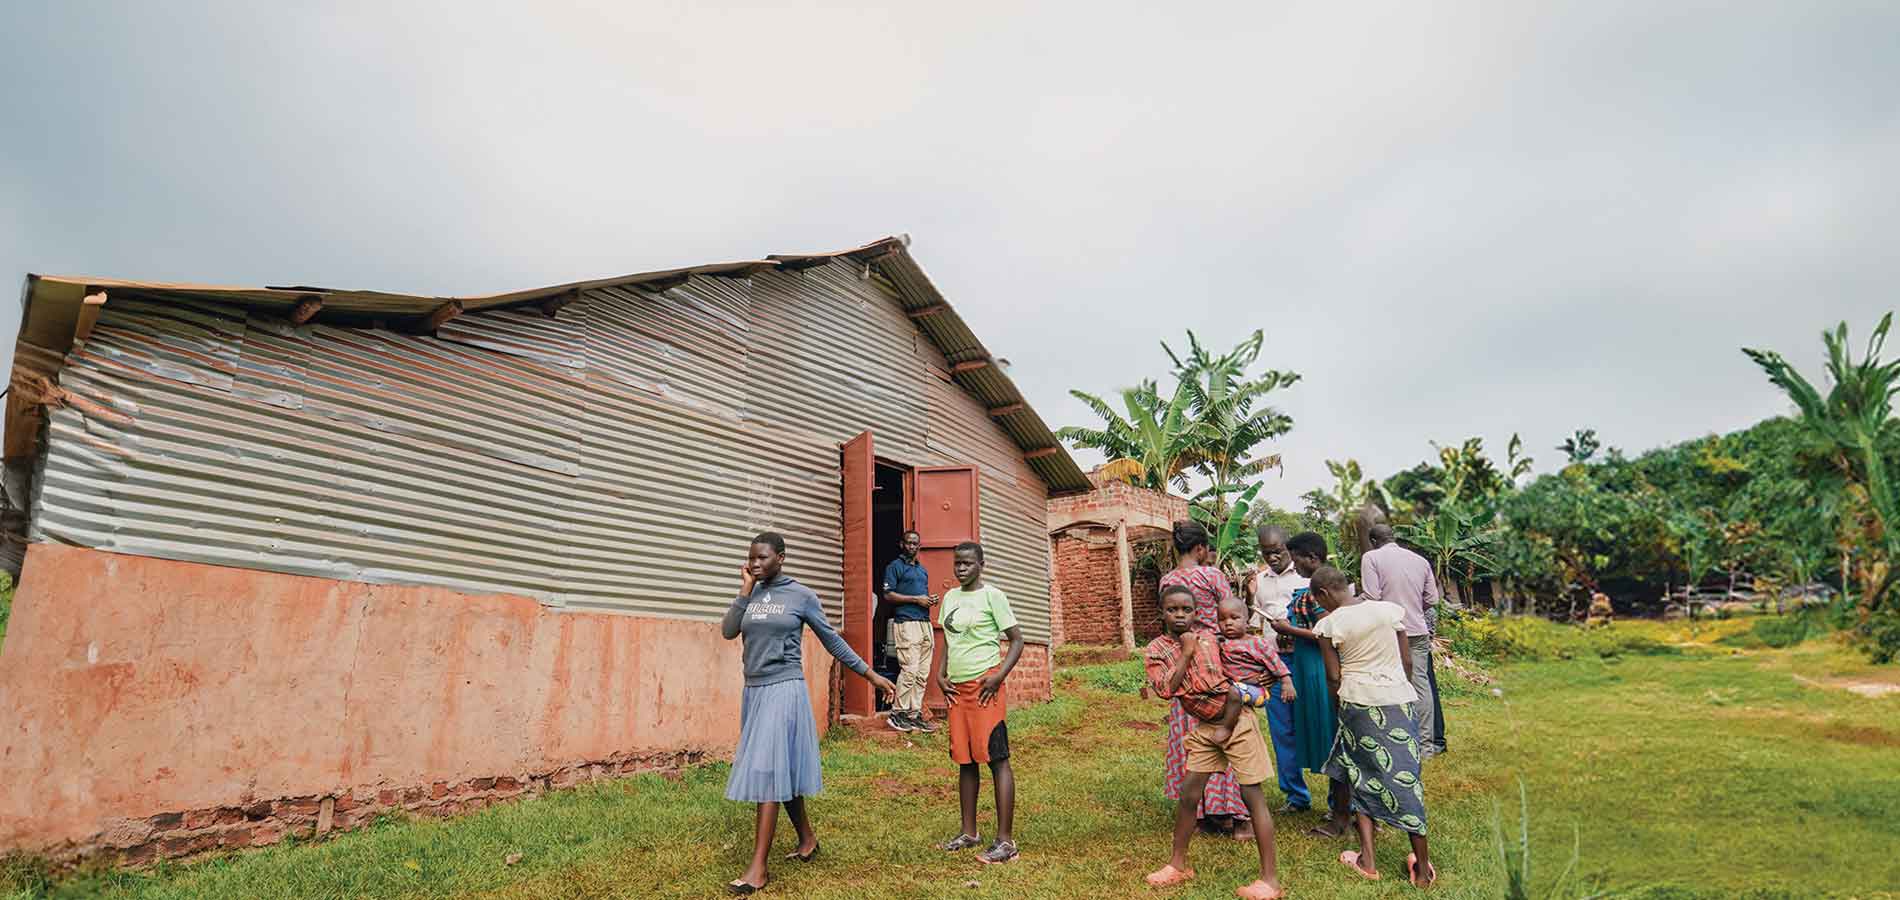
<point x="1259" y="890"/>
<point x="1351" y="859"/>
<point x="1169" y="876"/>
<point x="1411" y="871"/>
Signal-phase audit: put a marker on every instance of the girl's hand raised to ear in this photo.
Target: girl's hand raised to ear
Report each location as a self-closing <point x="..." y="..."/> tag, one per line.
<point x="746" y="581"/>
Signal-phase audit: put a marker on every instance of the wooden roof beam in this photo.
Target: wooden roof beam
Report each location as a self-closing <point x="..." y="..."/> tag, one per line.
<point x="1006" y="409"/>
<point x="439" y="316"/>
<point x="306" y="309"/>
<point x="799" y="264"/>
<point x="1042" y="452"/>
<point x="927" y="311"/>
<point x="89" y="309"/>
<point x="969" y="366"/>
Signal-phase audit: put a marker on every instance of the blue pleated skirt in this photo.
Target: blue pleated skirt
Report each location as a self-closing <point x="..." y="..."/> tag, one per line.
<point x="777" y="757"/>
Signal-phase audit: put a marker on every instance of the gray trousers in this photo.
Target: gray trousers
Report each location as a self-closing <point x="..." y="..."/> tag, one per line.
<point x="1421" y="647"/>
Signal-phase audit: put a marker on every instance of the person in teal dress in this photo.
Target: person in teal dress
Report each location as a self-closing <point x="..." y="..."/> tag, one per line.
<point x="1314" y="724"/>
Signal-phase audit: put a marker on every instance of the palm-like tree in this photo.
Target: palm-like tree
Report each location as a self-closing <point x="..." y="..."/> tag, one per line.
<point x="1581" y="445"/>
<point x="1152" y="445"/>
<point x="1229" y="420"/>
<point x="1352" y="492"/>
<point x="1854" y="421"/>
<point x="1210" y="425"/>
<point x="1229" y="415"/>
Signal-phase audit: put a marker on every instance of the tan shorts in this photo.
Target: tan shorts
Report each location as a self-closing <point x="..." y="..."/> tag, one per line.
<point x="1245" y="752"/>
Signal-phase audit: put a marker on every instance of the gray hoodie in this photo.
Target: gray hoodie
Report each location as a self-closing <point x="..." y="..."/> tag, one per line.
<point x="773" y="619"/>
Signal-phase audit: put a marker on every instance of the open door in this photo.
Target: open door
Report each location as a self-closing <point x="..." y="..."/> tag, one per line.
<point x="859" y="465"/>
<point x="944" y="505"/>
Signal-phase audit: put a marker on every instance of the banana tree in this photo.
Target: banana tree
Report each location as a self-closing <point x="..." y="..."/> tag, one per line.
<point x="1229" y="421"/>
<point x="1457" y="542"/>
<point x="1855" y="422"/>
<point x="1152" y="444"/>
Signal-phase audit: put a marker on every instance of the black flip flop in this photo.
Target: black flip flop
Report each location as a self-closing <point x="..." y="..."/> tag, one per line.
<point x="795" y="856"/>
<point x="742" y="887"/>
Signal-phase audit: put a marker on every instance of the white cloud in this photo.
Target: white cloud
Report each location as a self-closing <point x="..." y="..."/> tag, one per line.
<point x="1454" y="219"/>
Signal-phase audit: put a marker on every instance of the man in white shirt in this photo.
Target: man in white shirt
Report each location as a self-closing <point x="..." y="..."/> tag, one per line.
<point x="1273" y="584"/>
<point x="1397" y="575"/>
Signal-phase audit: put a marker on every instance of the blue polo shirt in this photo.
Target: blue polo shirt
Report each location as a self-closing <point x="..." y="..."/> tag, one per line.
<point x="910" y="579"/>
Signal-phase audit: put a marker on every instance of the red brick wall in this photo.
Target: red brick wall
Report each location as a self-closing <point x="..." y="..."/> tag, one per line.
<point x="1117" y="500"/>
<point x="1088" y="572"/>
<point x="1032" y="681"/>
<point x="1157" y="545"/>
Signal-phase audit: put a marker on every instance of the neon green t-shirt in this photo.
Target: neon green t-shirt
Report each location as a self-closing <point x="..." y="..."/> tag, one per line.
<point x="973" y="622"/>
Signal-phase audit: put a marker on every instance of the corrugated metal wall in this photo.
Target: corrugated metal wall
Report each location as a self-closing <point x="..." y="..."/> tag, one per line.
<point x="615" y="457"/>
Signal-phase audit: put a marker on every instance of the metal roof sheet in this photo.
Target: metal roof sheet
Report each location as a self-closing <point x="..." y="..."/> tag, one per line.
<point x="896" y="270"/>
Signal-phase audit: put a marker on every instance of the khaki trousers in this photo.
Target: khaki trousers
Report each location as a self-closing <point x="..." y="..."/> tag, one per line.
<point x="914" y="643"/>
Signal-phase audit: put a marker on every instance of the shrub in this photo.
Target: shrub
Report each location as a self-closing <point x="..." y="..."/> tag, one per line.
<point x="6" y="603"/>
<point x="1883" y="636"/>
<point x="1517" y="638"/>
<point x="1782" y="631"/>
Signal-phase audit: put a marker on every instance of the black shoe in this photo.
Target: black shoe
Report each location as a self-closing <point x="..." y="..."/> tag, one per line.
<point x="922" y="724"/>
<point x="901" y="722"/>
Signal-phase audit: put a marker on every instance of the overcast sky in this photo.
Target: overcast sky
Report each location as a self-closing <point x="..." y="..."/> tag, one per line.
<point x="1452" y="219"/>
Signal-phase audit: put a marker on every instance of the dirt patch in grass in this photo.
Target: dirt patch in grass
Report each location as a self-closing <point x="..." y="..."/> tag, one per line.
<point x="1874" y="689"/>
<point x="1868" y="688"/>
<point x="892" y="787"/>
<point x="1142" y="726"/>
<point x="1089" y="656"/>
<point x="1865" y="735"/>
<point x="877" y="732"/>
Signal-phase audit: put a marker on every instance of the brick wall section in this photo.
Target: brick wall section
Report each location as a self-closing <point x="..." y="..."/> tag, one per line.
<point x="1146" y="594"/>
<point x="1122" y="499"/>
<point x="1032" y="681"/>
<point x="1088" y="570"/>
<point x="1086" y="581"/>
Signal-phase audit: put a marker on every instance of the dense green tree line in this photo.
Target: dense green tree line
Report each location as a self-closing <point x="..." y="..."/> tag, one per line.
<point x="1777" y="511"/>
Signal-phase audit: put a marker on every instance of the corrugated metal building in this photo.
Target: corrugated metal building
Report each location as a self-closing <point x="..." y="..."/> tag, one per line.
<point x="600" y="448"/>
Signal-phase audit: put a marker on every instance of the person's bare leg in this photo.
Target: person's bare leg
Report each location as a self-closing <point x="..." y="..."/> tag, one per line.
<point x="1004" y="778"/>
<point x="1338" y="810"/>
<point x="969" y="779"/>
<point x="1426" y="874"/>
<point x="1193" y="787"/>
<point x="1256" y="800"/>
<point x="1366" y="864"/>
<point x="807" y="841"/>
<point x="766" y="826"/>
<point x="1229" y="716"/>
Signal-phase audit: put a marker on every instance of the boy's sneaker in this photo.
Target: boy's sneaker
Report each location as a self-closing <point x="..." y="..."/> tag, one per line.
<point x="901" y="722"/>
<point x="922" y="724"/>
<point x="999" y="852"/>
<point x="961" y="842"/>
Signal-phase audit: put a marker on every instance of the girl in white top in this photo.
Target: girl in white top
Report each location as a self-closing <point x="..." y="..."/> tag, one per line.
<point x="1376" y="750"/>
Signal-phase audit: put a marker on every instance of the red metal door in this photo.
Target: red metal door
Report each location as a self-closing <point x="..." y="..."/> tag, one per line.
<point x="859" y="465"/>
<point x="944" y="512"/>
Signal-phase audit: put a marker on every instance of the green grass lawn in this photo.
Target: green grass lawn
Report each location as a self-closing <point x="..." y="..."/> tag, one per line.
<point x="1706" y="772"/>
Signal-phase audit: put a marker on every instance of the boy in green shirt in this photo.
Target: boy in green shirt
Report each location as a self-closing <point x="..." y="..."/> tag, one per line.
<point x="971" y="673"/>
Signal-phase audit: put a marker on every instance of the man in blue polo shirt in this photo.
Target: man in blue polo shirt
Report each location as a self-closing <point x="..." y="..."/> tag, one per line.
<point x="907" y="587"/>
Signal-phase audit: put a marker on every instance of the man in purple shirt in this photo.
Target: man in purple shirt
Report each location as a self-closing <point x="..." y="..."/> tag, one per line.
<point x="1394" y="574"/>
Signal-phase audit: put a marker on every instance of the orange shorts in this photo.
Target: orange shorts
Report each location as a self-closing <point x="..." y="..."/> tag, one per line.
<point x="978" y="734"/>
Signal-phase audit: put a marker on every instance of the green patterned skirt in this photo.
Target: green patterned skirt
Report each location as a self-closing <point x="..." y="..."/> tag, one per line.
<point x="1376" y="752"/>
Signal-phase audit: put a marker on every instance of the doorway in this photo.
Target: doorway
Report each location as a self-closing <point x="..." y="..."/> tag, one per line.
<point x="889" y="519"/>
